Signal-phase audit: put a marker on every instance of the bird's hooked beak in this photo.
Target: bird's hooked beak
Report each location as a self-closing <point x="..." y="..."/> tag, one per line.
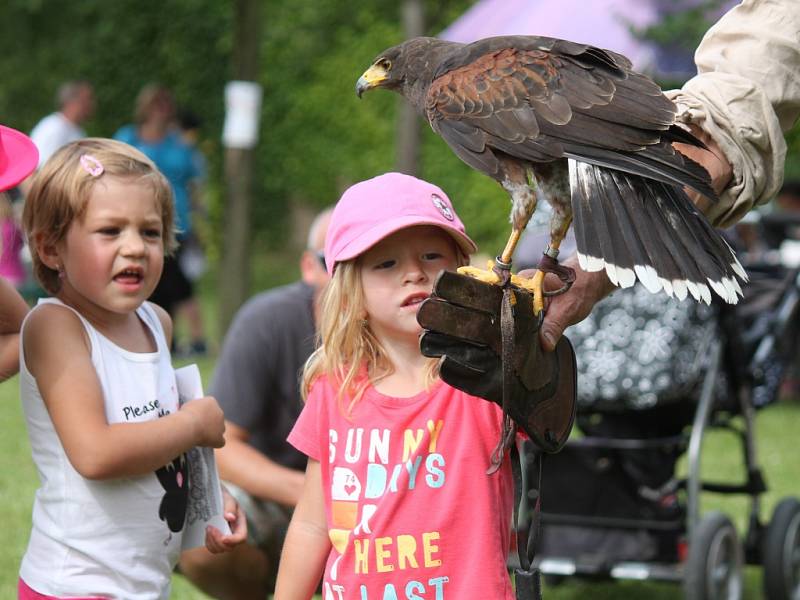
<point x="371" y="78"/>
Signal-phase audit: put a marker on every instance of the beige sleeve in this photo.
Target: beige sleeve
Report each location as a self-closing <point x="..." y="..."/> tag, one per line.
<point x="746" y="95"/>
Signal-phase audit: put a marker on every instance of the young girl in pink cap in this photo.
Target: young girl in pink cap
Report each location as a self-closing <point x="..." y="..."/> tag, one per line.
<point x="18" y="158"/>
<point x="397" y="503"/>
<point x="97" y="387"/>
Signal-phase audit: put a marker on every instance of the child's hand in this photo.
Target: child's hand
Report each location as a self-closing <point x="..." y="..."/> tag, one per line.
<point x="216" y="541"/>
<point x="208" y="421"/>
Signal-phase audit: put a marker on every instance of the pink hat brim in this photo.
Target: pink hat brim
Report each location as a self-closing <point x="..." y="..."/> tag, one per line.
<point x="386" y="228"/>
<point x="18" y="157"/>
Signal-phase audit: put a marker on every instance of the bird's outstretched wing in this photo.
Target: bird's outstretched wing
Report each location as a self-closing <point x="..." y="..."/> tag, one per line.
<point x="540" y="99"/>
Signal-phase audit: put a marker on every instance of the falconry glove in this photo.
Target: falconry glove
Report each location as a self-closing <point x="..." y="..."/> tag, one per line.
<point x="462" y="322"/>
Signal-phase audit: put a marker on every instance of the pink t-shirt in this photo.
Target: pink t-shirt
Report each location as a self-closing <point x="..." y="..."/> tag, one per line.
<point x="411" y="512"/>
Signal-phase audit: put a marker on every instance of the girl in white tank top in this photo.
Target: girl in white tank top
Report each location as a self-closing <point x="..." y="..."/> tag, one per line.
<point x="107" y="434"/>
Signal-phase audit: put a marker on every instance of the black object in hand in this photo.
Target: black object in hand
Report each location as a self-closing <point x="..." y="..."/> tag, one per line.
<point x="462" y="325"/>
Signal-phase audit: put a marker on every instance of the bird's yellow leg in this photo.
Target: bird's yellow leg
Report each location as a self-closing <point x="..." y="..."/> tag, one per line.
<point x="535" y="285"/>
<point x="511" y="245"/>
<point x="488" y="275"/>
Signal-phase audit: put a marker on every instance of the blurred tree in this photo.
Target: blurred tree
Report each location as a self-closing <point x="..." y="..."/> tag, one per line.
<point x="234" y="280"/>
<point x="316" y="136"/>
<point x="409" y="123"/>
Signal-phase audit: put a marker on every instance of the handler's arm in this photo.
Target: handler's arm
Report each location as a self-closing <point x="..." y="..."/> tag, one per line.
<point x="307" y="543"/>
<point x="745" y="96"/>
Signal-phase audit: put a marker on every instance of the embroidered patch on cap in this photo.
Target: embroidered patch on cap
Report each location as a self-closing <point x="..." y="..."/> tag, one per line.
<point x="441" y="205"/>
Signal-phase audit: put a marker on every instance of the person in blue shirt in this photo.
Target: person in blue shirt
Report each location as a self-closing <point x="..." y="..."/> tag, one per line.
<point x="154" y="134"/>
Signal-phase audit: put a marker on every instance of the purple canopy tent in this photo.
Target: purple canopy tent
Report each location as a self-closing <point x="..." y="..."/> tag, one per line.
<point x="602" y="23"/>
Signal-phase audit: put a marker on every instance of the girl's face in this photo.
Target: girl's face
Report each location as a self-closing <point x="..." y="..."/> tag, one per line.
<point x="397" y="274"/>
<point x="112" y="258"/>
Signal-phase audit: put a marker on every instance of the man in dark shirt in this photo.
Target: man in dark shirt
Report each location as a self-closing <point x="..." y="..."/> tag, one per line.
<point x="256" y="382"/>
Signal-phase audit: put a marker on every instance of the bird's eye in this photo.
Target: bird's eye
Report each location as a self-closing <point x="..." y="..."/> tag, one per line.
<point x="385" y="64"/>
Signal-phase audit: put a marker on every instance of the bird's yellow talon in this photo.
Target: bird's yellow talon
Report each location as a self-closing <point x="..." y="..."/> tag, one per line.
<point x="524" y="283"/>
<point x="536" y="286"/>
<point x="533" y="285"/>
<point x="487" y="276"/>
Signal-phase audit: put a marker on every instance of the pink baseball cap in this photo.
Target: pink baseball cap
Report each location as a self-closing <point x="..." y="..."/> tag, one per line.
<point x="18" y="157"/>
<point x="373" y="209"/>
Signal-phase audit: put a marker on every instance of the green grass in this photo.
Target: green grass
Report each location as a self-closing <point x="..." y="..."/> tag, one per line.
<point x="18" y="482"/>
<point x="776" y="435"/>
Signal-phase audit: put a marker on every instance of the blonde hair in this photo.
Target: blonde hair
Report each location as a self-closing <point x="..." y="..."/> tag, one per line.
<point x="348" y="351"/>
<point x="6" y="207"/>
<point x="61" y="190"/>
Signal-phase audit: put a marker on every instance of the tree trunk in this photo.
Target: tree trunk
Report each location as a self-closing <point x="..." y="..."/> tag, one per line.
<point x="408" y="122"/>
<point x="234" y="274"/>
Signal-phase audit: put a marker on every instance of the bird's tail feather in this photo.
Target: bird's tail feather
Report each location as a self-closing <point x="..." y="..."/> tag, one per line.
<point x="659" y="162"/>
<point x="650" y="231"/>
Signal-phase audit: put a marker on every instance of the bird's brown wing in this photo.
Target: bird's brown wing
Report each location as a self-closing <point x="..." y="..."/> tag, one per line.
<point x="540" y="99"/>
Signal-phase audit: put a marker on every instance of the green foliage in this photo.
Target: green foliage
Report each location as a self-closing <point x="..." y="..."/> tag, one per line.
<point x="793" y="153"/>
<point x="685" y="25"/>
<point x="316" y="136"/>
<point x="321" y="137"/>
<point x="119" y="46"/>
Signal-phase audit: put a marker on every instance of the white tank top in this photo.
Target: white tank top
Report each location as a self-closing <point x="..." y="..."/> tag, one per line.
<point x="117" y="538"/>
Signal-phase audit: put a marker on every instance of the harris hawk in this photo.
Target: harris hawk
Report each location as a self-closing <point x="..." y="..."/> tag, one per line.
<point x="577" y="126"/>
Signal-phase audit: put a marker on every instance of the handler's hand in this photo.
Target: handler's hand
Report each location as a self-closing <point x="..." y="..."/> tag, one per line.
<point x="712" y="160"/>
<point x="574" y="305"/>
<point x="462" y="323"/>
<point x="216" y="541"/>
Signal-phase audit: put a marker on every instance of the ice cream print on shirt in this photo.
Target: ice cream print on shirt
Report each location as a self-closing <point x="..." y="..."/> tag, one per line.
<point x="375" y="470"/>
<point x="174" y="478"/>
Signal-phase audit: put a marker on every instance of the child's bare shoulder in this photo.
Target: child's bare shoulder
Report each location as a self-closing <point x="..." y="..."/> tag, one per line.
<point x="51" y="314"/>
<point x="41" y="326"/>
<point x="166" y="320"/>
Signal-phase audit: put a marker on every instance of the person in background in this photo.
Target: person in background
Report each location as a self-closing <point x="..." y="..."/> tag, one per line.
<point x="257" y="384"/>
<point x="18" y="159"/>
<point x="156" y="135"/>
<point x="75" y="101"/>
<point x="189" y="124"/>
<point x="193" y="258"/>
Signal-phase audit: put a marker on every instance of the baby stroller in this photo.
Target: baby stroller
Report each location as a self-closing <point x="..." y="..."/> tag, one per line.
<point x="654" y="375"/>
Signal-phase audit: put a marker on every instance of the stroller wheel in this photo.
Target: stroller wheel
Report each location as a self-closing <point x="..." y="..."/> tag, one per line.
<point x="781" y="552"/>
<point x="713" y="569"/>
